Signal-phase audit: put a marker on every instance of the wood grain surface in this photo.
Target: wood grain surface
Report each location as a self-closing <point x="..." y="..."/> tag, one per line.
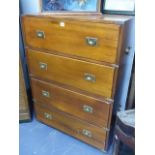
<point x="72" y="102"/>
<point x="71" y="125"/>
<point x="72" y="72"/>
<point x="69" y="37"/>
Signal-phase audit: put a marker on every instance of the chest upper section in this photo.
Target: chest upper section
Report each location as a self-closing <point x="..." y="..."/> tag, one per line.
<point x="91" y="40"/>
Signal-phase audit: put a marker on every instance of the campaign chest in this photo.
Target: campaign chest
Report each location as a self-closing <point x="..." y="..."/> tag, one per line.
<point x="74" y="64"/>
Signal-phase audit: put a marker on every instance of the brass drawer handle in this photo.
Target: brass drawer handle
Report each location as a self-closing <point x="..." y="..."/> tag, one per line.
<point x="48" y="116"/>
<point x="91" y="41"/>
<point x="87" y="109"/>
<point x="45" y="93"/>
<point x="87" y="133"/>
<point x="89" y="77"/>
<point x="43" y="66"/>
<point x="40" y="34"/>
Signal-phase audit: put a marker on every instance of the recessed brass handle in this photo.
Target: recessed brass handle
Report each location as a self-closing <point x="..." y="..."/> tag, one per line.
<point x="47" y="116"/>
<point x="87" y="133"/>
<point x="45" y="93"/>
<point x="89" y="77"/>
<point x="40" y="34"/>
<point x="87" y="109"/>
<point x="43" y="66"/>
<point x="91" y="41"/>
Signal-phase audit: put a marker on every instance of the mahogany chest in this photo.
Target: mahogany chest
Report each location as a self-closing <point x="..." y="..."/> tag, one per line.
<point x="74" y="65"/>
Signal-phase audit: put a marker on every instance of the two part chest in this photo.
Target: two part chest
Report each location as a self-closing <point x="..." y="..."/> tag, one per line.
<point x="73" y="68"/>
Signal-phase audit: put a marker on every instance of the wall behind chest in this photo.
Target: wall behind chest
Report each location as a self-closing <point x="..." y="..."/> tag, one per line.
<point x="26" y="6"/>
<point x="29" y="6"/>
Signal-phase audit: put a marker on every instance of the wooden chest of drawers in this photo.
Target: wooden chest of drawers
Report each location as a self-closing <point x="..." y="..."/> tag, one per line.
<point x="74" y="63"/>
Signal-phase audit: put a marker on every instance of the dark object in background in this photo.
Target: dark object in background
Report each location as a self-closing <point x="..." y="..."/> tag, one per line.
<point x="120" y="7"/>
<point x="124" y="130"/>
<point x="24" y="112"/>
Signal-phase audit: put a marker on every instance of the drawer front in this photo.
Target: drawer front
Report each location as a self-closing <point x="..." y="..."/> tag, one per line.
<point x="84" y="107"/>
<point x="70" y="125"/>
<point x="97" y="41"/>
<point x="94" y="78"/>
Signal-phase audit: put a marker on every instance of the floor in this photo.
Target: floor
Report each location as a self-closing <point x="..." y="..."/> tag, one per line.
<point x="39" y="139"/>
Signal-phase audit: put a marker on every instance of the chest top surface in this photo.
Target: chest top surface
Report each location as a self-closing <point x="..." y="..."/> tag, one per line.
<point x="109" y="19"/>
